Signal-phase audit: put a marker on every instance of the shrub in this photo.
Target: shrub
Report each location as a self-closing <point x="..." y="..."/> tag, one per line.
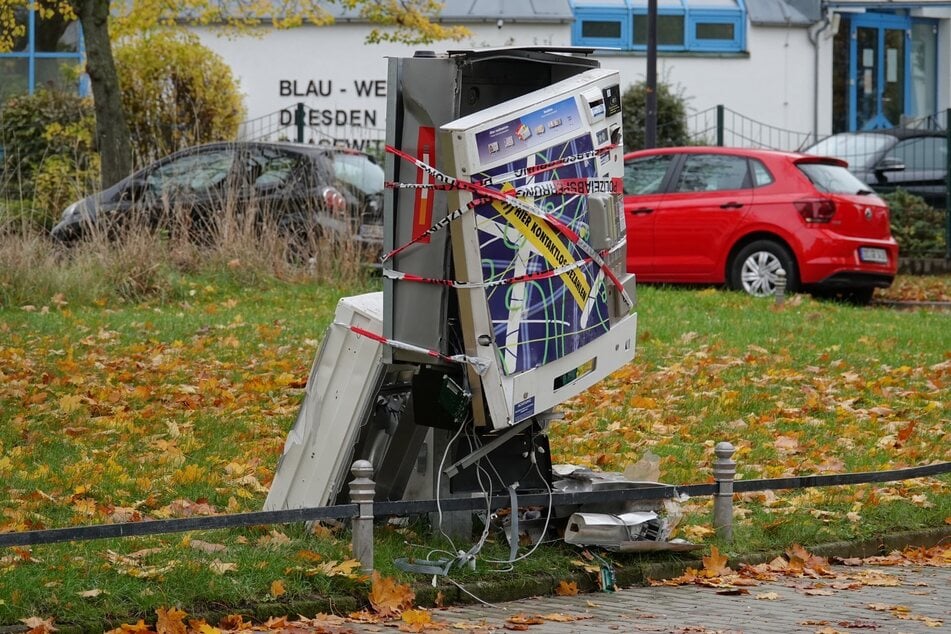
<point x="33" y="129"/>
<point x="175" y="93"/>
<point x="671" y="116"/>
<point x="918" y="228"/>
<point x="64" y="178"/>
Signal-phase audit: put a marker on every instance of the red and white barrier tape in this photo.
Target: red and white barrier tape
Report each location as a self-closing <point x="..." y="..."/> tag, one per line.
<point x="481" y="365"/>
<point x="562" y="186"/>
<point x="511" y="199"/>
<point x="439" y="226"/>
<point x="531" y="170"/>
<point x="518" y="279"/>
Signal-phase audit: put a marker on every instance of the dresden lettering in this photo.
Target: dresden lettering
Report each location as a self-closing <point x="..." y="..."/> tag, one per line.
<point x="315" y="117"/>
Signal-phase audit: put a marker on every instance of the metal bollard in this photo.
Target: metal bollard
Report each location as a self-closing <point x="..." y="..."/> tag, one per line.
<point x="362" y="492"/>
<point x="724" y="473"/>
<point x="780" y="286"/>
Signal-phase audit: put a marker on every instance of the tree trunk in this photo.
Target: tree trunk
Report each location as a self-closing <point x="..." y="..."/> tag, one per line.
<point x="112" y="131"/>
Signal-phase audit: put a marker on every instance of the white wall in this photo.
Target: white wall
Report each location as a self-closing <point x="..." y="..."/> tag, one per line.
<point x="330" y="69"/>
<point x="773" y="85"/>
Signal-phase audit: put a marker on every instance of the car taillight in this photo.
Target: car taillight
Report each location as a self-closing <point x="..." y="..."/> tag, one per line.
<point x="334" y="200"/>
<point x="816" y="210"/>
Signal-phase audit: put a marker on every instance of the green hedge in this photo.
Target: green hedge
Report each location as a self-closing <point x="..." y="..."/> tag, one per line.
<point x="918" y="228"/>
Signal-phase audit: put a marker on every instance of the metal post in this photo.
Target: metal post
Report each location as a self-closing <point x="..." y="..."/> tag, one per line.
<point x="724" y="472"/>
<point x="780" y="286"/>
<point x="362" y="492"/>
<point x="650" y="115"/>
<point x="947" y="184"/>
<point x="720" y="110"/>
<point x="299" y="121"/>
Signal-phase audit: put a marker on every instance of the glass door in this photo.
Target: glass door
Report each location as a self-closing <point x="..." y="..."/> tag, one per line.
<point x="878" y="70"/>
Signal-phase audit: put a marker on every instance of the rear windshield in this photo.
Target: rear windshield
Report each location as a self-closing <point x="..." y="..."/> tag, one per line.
<point x="833" y="179"/>
<point x="359" y="172"/>
<point x="860" y="150"/>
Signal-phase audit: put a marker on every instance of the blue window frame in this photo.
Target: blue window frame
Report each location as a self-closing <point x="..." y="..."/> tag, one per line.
<point x="701" y="26"/>
<point x="603" y="25"/>
<point x="31" y="65"/>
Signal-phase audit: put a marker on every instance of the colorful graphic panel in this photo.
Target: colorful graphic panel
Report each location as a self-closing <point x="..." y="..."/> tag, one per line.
<point x="528" y="131"/>
<point x="542" y="320"/>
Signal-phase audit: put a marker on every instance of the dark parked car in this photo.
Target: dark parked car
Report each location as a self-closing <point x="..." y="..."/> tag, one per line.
<point x="711" y="215"/>
<point x="306" y="190"/>
<point x="914" y="160"/>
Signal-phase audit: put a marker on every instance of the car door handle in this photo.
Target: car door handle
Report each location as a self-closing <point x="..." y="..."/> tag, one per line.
<point x="642" y="211"/>
<point x="731" y="205"/>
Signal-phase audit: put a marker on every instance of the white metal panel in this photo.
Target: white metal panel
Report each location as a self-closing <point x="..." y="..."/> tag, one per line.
<point x="342" y="387"/>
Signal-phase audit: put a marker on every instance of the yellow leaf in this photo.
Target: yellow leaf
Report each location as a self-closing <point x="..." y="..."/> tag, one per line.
<point x="767" y="596"/>
<point x="566" y="588"/>
<point x="90" y="594"/>
<point x="274" y="538"/>
<point x="388" y="597"/>
<point x="786" y="444"/>
<point x="558" y="617"/>
<point x="220" y="567"/>
<point x="714" y="565"/>
<point x="347" y="567"/>
<point x="206" y="547"/>
<point x="526" y="619"/>
<point x="70" y="403"/>
<point x="696" y="532"/>
<point x="140" y="626"/>
<point x="416" y="617"/>
<point x="38" y="625"/>
<point x="642" y="402"/>
<point x="171" y="621"/>
<point x="277" y="588"/>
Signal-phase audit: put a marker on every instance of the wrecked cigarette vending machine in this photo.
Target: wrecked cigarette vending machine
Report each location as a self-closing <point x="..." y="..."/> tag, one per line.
<point x="504" y="290"/>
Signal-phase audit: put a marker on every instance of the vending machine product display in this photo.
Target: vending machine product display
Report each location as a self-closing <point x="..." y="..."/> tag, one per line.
<point x="504" y="290"/>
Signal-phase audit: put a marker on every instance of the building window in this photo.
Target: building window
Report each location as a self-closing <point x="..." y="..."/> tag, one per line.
<point x="48" y="54"/>
<point x="715" y="31"/>
<point x="603" y="25"/>
<point x="610" y="29"/>
<point x="700" y="26"/>
<point x="670" y="31"/>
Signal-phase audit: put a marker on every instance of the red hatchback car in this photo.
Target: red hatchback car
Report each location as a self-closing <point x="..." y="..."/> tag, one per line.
<point x="736" y="216"/>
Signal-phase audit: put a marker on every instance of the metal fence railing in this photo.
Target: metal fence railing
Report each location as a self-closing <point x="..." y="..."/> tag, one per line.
<point x="724" y="127"/>
<point x="302" y="124"/>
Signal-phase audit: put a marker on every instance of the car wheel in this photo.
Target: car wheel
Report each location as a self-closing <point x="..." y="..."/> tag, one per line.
<point x="753" y="269"/>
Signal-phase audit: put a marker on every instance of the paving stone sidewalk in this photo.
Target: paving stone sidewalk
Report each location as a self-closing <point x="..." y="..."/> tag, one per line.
<point x="922" y="603"/>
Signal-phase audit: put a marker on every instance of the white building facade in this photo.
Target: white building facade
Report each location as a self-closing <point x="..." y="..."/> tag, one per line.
<point x="792" y="69"/>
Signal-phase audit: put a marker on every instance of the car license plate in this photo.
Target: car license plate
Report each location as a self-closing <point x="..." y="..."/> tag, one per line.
<point x="871" y="254"/>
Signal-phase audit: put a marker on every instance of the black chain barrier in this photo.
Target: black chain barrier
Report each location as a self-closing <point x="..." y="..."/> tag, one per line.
<point x="415" y="507"/>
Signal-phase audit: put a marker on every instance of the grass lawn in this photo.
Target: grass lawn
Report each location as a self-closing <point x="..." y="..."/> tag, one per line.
<point x="118" y="411"/>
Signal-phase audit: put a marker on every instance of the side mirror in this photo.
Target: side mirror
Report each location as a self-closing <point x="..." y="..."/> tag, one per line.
<point x="889" y="164"/>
